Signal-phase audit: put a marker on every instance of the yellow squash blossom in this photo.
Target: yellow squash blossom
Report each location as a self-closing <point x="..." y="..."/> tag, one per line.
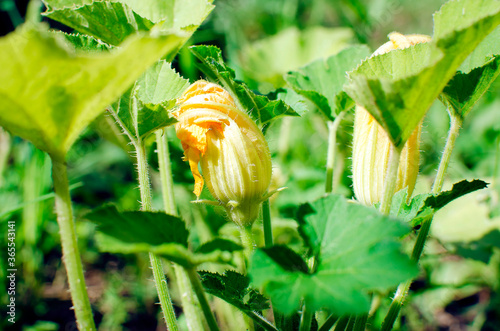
<point x="234" y="156"/>
<point x="371" y="145"/>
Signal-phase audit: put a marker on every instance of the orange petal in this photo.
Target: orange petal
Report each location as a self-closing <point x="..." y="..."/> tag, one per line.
<point x="193" y="157"/>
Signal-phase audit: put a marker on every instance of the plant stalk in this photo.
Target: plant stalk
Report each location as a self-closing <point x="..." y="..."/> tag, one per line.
<point x="360" y="323"/>
<point x="390" y="180"/>
<point x="260" y="320"/>
<point x="205" y="307"/>
<point x="403" y="288"/>
<point x="306" y="318"/>
<point x="332" y="151"/>
<point x="189" y="302"/>
<point x="71" y="254"/>
<point x="328" y="324"/>
<point x="156" y="265"/>
<point x="266" y="220"/>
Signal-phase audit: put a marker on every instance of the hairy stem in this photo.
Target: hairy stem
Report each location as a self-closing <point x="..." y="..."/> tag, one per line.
<point x="403" y="288"/>
<point x="332" y="148"/>
<point x="205" y="307"/>
<point x="189" y="302"/>
<point x="266" y="219"/>
<point x="71" y="255"/>
<point x="156" y="265"/>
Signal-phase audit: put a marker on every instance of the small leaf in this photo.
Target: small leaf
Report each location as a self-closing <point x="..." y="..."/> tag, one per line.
<point x="50" y="107"/>
<point x="233" y="288"/>
<point x="465" y="89"/>
<point x="357" y="252"/>
<point x="397" y="88"/>
<point x="219" y="244"/>
<point x="145" y="107"/>
<point x="259" y="107"/>
<point x="322" y="81"/>
<point x="425" y="205"/>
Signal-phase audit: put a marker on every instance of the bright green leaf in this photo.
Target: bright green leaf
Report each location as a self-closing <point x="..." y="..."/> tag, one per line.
<point x="114" y="21"/>
<point x="323" y="81"/>
<point x="145" y="107"/>
<point x="51" y="92"/>
<point x="259" y="107"/>
<point x="357" y="252"/>
<point x="233" y="288"/>
<point x="398" y="87"/>
<point x="267" y="60"/>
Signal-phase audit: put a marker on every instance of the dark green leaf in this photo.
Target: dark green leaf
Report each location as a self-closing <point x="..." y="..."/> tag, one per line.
<point x="323" y="81"/>
<point x="286" y="258"/>
<point x="465" y="89"/>
<point x="219" y="244"/>
<point x="233" y="288"/>
<point x="259" y="107"/>
<point x="357" y="252"/>
<point x="152" y="228"/>
<point x="481" y="249"/>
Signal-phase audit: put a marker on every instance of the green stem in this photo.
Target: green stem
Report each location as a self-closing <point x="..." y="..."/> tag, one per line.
<point x="247" y="240"/>
<point x="390" y="180"/>
<point x="330" y="321"/>
<point x="342" y="323"/>
<point x="403" y="288"/>
<point x="332" y="148"/>
<point x="266" y="219"/>
<point x="71" y="255"/>
<point x="306" y="318"/>
<point x="4" y="152"/>
<point x="205" y="307"/>
<point x="188" y="298"/>
<point x="167" y="183"/>
<point x="156" y="265"/>
<point x="260" y="320"/>
<point x="455" y="124"/>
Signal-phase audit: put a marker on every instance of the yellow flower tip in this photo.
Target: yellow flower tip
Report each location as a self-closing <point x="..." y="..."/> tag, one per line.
<point x="371" y="145"/>
<point x="231" y="149"/>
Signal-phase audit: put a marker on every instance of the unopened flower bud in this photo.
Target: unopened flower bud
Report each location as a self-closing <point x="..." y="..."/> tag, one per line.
<point x="371" y="144"/>
<point x="234" y="156"/>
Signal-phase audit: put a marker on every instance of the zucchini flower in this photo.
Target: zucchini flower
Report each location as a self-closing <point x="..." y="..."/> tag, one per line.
<point x="371" y="145"/>
<point x="234" y="156"/>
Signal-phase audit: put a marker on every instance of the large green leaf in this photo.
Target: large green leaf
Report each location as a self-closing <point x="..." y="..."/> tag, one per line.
<point x="140" y="232"/>
<point x="267" y="60"/>
<point x="357" y="252"/>
<point x="323" y="81"/>
<point x="114" y="21"/>
<point x="259" y="107"/>
<point x="398" y="88"/>
<point x="145" y="107"/>
<point x="51" y="91"/>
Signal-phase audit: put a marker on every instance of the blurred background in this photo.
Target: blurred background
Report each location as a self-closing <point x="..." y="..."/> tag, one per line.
<point x="262" y="40"/>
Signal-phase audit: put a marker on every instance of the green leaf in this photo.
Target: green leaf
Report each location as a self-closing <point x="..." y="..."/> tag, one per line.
<point x="465" y="89"/>
<point x="356" y="250"/>
<point x="153" y="228"/>
<point x="50" y="107"/>
<point x="84" y="42"/>
<point x="323" y="81"/>
<point x="145" y="107"/>
<point x="259" y="107"/>
<point x="267" y="60"/>
<point x="398" y="87"/>
<point x="425" y="205"/>
<point x="481" y="249"/>
<point x="219" y="244"/>
<point x="233" y="288"/>
<point x="141" y="232"/>
<point x="114" y="21"/>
